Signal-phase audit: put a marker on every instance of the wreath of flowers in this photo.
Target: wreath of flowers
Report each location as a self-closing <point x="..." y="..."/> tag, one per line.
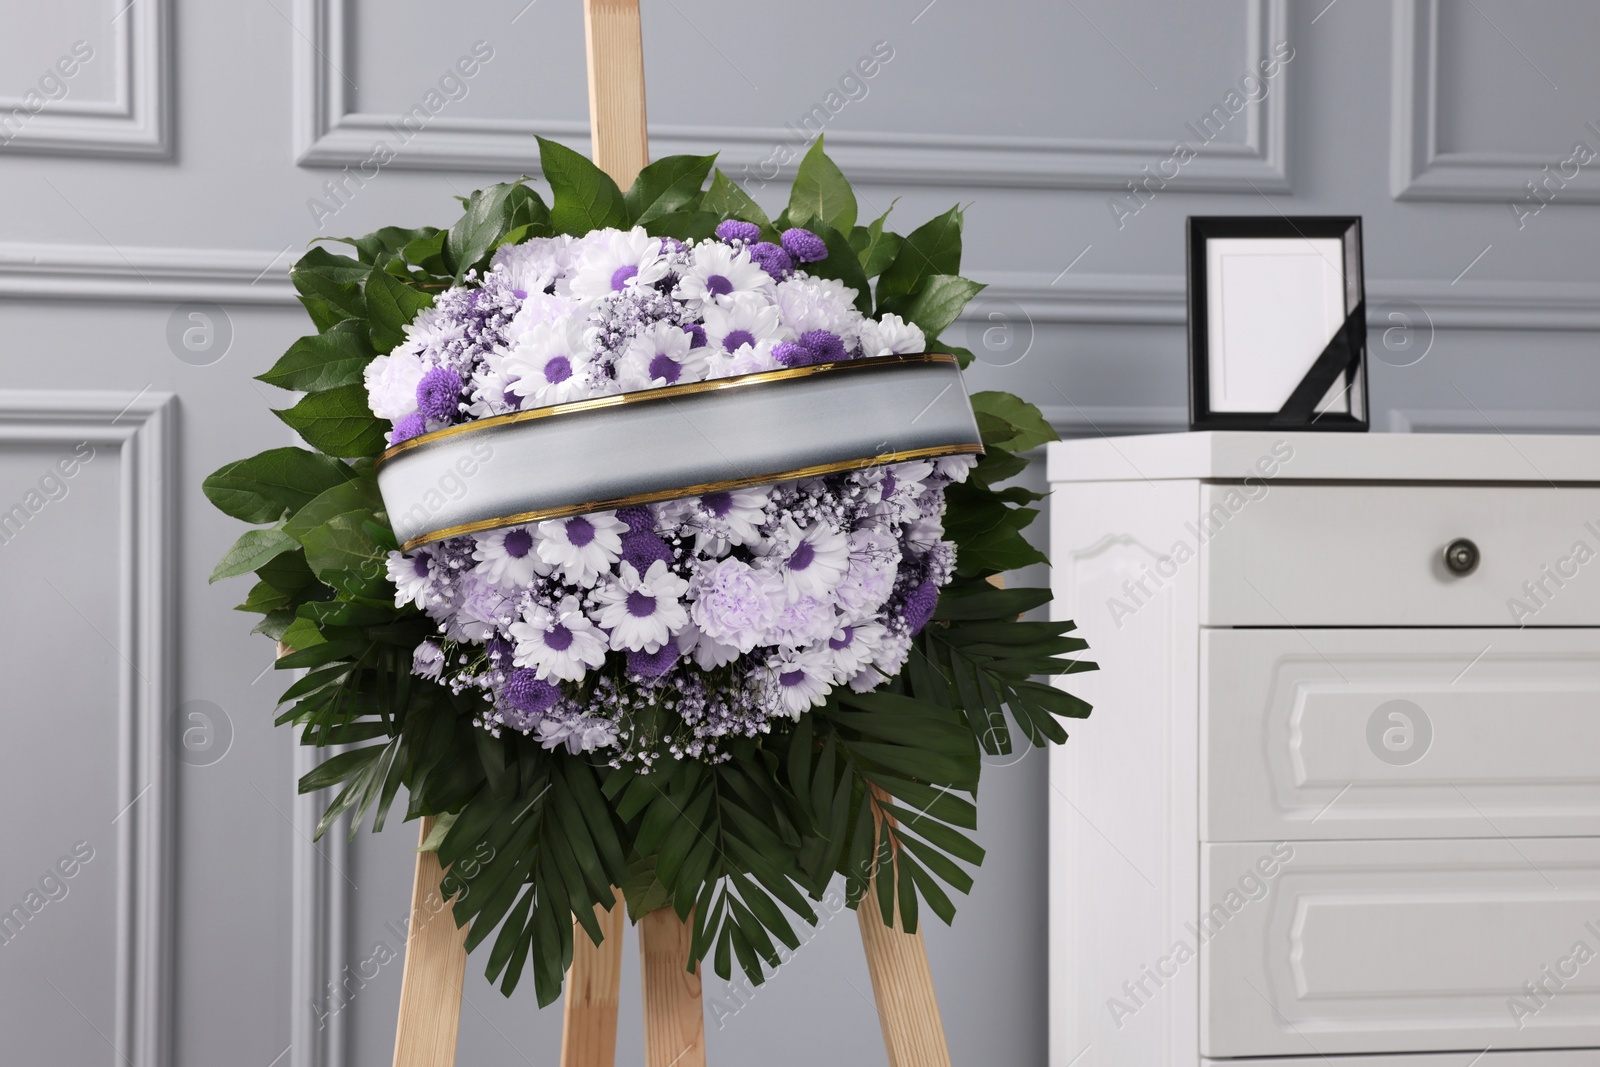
<point x="714" y="704"/>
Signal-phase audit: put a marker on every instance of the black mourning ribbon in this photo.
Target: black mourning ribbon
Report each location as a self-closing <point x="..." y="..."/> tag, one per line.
<point x="1342" y="355"/>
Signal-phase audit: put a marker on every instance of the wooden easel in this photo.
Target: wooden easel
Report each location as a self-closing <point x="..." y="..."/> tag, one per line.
<point x="674" y="1016"/>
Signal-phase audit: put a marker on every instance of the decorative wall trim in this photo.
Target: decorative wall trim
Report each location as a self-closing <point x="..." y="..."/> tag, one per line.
<point x="141" y="428"/>
<point x="100" y="272"/>
<point x="1417" y="169"/>
<point x="137" y="121"/>
<point x="328" y="134"/>
<point x="319" y="951"/>
<point x="1468" y="420"/>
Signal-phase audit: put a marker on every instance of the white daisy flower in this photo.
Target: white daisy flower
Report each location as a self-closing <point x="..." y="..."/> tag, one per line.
<point x="550" y="364"/>
<point x="662" y="355"/>
<point x="507" y="557"/>
<point x="392" y="383"/>
<point x="812" y="562"/>
<point x="584" y="546"/>
<point x="955" y="468"/>
<point x="489" y="392"/>
<point x="806" y="303"/>
<point x="559" y="643"/>
<point x="616" y="259"/>
<point x="852" y="647"/>
<point x="726" y="518"/>
<point x="643" y="611"/>
<point x="890" y="335"/>
<point x="412" y="575"/>
<point x="720" y="274"/>
<point x="730" y="327"/>
<point x="798" y="680"/>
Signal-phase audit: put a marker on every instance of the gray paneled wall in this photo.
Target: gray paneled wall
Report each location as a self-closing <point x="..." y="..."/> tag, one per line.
<point x="163" y="161"/>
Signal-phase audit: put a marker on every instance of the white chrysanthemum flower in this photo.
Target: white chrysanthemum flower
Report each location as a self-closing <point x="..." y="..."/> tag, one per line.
<point x="818" y="304"/>
<point x="584" y="546"/>
<point x="392" y="383"/>
<point x="734" y="603"/>
<point x="955" y="468"/>
<point x="537" y="308"/>
<point x="812" y="562"/>
<point x="550" y="364"/>
<point x="726" y="518"/>
<point x="719" y="274"/>
<point x="559" y="643"/>
<point x="613" y="260"/>
<point x="643" y="611"/>
<point x="798" y="680"/>
<point x="890" y="335"/>
<point x="481" y="608"/>
<point x="507" y="557"/>
<point x="661" y="355"/>
<point x="852" y="647"/>
<point x="412" y="575"/>
<point x="533" y="266"/>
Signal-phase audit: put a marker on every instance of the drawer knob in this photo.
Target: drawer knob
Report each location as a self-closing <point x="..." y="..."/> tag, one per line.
<point x="1461" y="557"/>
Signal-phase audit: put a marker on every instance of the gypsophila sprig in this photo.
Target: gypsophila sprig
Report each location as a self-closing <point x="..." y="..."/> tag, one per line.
<point x="716" y="703"/>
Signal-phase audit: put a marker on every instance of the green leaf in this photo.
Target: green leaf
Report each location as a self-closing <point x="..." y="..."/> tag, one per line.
<point x="684" y="225"/>
<point x="670" y="184"/>
<point x="935" y="304"/>
<point x="329" y="287"/>
<point x="391" y="305"/>
<point x="932" y="248"/>
<point x="821" y="194"/>
<point x="1026" y="424"/>
<point x="251" y="550"/>
<point x="326" y="360"/>
<point x="382" y="243"/>
<point x="874" y="247"/>
<point x="727" y="200"/>
<point x="585" y="196"/>
<point x="263" y="487"/>
<point x="359" y="497"/>
<point x="337" y="421"/>
<point x="491" y="213"/>
<point x="427" y="251"/>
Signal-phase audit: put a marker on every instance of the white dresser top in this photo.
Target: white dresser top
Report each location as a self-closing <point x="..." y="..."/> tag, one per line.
<point x="1232" y="455"/>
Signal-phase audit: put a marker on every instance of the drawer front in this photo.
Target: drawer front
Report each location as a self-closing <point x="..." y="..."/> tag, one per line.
<point x="1378" y="733"/>
<point x="1373" y="555"/>
<point x="1399" y="946"/>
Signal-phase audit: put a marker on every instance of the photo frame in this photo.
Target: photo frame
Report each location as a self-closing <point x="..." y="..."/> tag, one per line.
<point x="1277" y="323"/>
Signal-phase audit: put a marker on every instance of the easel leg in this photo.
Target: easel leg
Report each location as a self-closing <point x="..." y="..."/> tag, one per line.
<point x="674" y="1016"/>
<point x="589" y="1015"/>
<point x="436" y="962"/>
<point x="902" y="984"/>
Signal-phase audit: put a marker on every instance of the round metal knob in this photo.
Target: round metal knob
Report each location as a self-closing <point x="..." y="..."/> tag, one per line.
<point x="1461" y="557"/>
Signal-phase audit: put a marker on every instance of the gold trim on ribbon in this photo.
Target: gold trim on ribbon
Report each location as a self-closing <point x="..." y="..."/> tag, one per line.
<point x="975" y="449"/>
<point x="667" y="392"/>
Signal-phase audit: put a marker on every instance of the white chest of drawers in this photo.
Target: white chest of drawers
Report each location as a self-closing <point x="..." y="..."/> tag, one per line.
<point x="1336" y="799"/>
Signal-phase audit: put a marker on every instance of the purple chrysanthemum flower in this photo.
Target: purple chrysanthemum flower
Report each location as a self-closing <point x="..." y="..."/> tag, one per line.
<point x="638" y="519"/>
<point x="824" y="345"/>
<point x="697" y="335"/>
<point x="438" y="394"/>
<point x="527" y="692"/>
<point x="791" y="354"/>
<point x="644" y="548"/>
<point x="804" y="245"/>
<point x="919" y="606"/>
<point x="408" y="427"/>
<point x="653" y="664"/>
<point x="771" y="258"/>
<point x="671" y="245"/>
<point x="737" y="230"/>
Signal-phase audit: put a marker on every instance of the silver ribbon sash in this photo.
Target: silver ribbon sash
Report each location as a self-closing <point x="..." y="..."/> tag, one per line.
<point x="675" y="441"/>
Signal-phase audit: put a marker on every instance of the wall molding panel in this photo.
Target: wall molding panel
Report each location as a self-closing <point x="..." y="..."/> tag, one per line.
<point x="137" y="121"/>
<point x="327" y="133"/>
<point x="100" y="272"/>
<point x="141" y="428"/>
<point x="1418" y="170"/>
<point x="320" y="906"/>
